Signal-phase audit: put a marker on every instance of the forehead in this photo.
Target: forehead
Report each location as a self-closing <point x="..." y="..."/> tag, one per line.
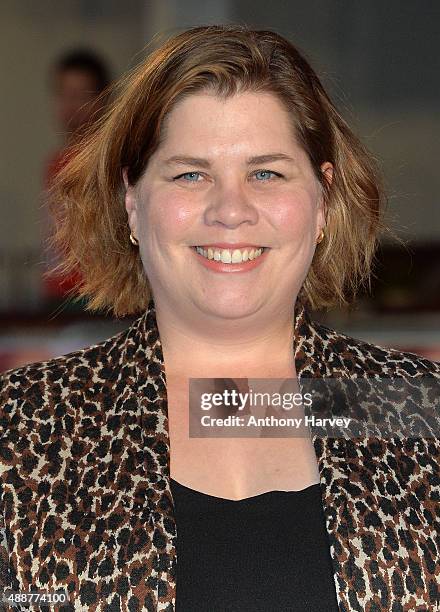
<point x="205" y="119"/>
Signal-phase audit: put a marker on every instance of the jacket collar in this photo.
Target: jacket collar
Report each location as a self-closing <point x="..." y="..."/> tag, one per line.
<point x="307" y="348"/>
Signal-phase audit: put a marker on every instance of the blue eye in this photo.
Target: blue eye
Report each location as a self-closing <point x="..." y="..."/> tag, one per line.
<point x="191" y="174"/>
<point x="266" y="173"/>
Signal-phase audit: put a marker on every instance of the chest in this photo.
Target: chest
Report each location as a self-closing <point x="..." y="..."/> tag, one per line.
<point x="235" y="467"/>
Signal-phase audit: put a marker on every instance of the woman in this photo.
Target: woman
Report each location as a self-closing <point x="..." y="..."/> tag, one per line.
<point x="219" y="197"/>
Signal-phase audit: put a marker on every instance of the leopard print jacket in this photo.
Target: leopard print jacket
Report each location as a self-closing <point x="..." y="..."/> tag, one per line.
<point x="85" y="497"/>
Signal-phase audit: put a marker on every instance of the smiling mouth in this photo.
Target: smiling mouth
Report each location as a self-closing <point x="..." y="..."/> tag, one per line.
<point x="230" y="256"/>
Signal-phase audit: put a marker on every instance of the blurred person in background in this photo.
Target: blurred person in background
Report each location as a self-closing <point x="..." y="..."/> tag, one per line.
<point x="78" y="80"/>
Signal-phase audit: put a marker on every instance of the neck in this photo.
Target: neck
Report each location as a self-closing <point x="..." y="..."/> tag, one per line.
<point x="200" y="346"/>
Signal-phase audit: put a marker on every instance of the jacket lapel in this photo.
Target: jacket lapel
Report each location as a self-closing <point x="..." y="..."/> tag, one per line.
<point x="312" y="360"/>
<point x="146" y="365"/>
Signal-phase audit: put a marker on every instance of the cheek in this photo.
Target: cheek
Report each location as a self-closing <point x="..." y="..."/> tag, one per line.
<point x="164" y="217"/>
<point x="295" y="214"/>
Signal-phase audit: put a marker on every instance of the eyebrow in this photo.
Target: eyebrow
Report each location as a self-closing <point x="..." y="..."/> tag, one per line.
<point x="205" y="163"/>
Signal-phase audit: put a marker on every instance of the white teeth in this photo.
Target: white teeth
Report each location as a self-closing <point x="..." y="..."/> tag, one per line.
<point x="236" y="256"/>
<point x="225" y="257"/>
<point x="228" y="256"/>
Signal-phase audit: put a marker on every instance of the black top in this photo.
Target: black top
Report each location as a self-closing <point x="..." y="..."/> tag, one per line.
<point x="265" y="553"/>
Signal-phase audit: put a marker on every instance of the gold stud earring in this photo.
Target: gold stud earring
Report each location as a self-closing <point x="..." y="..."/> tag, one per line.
<point x="320" y="237"/>
<point x="133" y="240"/>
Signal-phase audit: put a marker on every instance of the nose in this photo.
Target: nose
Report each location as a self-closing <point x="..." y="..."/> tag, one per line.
<point x="230" y="206"/>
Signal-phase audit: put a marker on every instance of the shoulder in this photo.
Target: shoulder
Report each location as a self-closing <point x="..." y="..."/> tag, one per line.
<point x="360" y="357"/>
<point x="35" y="384"/>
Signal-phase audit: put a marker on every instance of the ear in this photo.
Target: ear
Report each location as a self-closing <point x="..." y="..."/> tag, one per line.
<point x="327" y="170"/>
<point x="130" y="203"/>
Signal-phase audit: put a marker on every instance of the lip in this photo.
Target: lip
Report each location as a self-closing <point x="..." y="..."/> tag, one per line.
<point x="220" y="267"/>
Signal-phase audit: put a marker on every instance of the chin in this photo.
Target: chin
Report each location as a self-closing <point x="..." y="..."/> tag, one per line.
<point x="228" y="307"/>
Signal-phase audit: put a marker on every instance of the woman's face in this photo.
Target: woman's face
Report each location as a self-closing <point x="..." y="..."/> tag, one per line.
<point x="228" y="172"/>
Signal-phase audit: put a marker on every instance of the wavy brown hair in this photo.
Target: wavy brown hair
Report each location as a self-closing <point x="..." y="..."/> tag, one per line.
<point x="87" y="198"/>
